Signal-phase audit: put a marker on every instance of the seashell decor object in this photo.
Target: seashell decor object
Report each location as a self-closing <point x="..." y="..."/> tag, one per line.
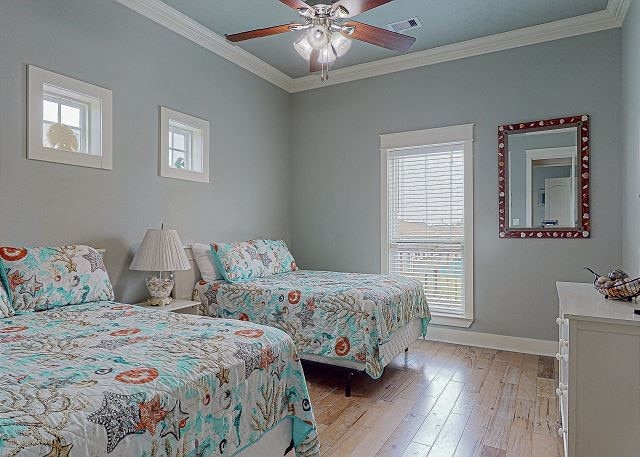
<point x="616" y="285"/>
<point x="62" y="137"/>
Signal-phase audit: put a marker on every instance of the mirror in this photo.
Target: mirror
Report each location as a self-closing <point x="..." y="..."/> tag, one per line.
<point x="544" y="178"/>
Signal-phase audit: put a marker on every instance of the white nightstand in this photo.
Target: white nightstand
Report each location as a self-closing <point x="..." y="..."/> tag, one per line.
<point x="176" y="306"/>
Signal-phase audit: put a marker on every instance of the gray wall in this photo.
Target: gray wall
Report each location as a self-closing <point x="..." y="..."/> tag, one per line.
<point x="335" y="212"/>
<point x="146" y="66"/>
<point x="631" y="135"/>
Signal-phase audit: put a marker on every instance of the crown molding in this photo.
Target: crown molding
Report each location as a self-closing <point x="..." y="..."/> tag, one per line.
<point x="183" y="25"/>
<point x="618" y="9"/>
<point x="564" y="28"/>
<point x="156" y="10"/>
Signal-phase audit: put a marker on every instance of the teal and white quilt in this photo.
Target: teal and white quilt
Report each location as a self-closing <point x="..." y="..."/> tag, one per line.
<point x="343" y="316"/>
<point x="109" y="379"/>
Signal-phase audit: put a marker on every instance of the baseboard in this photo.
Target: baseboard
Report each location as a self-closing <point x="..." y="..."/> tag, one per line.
<point x="491" y="341"/>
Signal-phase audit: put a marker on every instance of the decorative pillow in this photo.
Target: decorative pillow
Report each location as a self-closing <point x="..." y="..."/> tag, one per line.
<point x="48" y="277"/>
<point x="6" y="310"/>
<point x="206" y="263"/>
<point x="246" y="260"/>
<point x="284" y="259"/>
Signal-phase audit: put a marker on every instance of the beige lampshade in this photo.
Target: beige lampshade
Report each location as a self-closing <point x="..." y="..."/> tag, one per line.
<point x="160" y="250"/>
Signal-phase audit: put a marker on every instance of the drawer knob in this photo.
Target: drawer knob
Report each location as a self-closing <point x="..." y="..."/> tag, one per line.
<point x="559" y="321"/>
<point x="561" y="357"/>
<point x="561" y="431"/>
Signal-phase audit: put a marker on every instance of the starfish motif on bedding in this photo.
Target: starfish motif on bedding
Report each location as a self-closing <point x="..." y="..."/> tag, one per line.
<point x="251" y="354"/>
<point x="119" y="415"/>
<point x="223" y="376"/>
<point x="174" y="421"/>
<point x="210" y="295"/>
<point x="265" y="259"/>
<point x="95" y="260"/>
<point x="306" y="316"/>
<point x="151" y="413"/>
<point x="58" y="448"/>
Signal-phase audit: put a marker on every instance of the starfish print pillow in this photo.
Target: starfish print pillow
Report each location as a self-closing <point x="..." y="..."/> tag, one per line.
<point x="42" y="278"/>
<point x="247" y="260"/>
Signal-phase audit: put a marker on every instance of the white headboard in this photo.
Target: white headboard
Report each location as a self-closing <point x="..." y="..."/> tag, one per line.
<point x="185" y="280"/>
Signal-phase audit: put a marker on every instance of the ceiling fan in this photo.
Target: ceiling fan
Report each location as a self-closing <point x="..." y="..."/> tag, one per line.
<point x="329" y="32"/>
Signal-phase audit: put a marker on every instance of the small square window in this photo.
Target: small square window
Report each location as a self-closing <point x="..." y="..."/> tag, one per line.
<point x="184" y="146"/>
<point x="69" y="120"/>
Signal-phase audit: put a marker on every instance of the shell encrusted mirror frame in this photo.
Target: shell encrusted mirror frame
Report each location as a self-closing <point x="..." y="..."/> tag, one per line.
<point x="584" y="213"/>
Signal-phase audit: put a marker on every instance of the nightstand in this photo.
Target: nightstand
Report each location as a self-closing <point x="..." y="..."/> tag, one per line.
<point x="176" y="306"/>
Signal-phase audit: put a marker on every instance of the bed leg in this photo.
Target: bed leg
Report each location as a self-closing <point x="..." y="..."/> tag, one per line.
<point x="406" y="350"/>
<point x="347" y="384"/>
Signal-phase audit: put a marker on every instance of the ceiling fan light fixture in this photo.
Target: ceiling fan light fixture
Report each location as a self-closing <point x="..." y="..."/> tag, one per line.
<point x="327" y="55"/>
<point x="303" y="47"/>
<point x="341" y="44"/>
<point x="318" y="37"/>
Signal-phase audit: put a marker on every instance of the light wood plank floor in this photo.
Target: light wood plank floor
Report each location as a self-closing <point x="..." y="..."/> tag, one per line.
<point x="441" y="400"/>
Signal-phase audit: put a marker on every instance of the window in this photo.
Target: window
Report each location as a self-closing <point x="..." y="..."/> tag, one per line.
<point x="69" y="120"/>
<point x="184" y="146"/>
<point x="428" y="216"/>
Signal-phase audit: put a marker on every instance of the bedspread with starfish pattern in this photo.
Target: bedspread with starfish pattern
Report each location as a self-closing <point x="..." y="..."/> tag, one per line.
<point x="327" y="313"/>
<point x="112" y="379"/>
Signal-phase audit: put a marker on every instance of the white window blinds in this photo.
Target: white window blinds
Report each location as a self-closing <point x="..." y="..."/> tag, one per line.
<point x="426" y="203"/>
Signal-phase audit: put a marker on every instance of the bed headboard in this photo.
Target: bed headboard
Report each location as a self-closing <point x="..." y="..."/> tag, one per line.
<point x="185" y="280"/>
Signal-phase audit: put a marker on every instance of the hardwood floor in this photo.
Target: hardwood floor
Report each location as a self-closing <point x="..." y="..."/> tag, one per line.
<point x="441" y="400"/>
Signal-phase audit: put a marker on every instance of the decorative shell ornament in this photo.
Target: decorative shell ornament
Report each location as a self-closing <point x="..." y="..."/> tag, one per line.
<point x="61" y="137"/>
<point x="617" y="274"/>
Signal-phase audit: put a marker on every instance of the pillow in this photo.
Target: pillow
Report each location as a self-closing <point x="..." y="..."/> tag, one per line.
<point x="48" y="277"/>
<point x="246" y="260"/>
<point x="284" y="260"/>
<point x="6" y="310"/>
<point x="206" y="262"/>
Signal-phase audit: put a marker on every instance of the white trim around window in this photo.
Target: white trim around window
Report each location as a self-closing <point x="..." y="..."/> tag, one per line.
<point x="195" y="146"/>
<point x="93" y="131"/>
<point x="410" y="143"/>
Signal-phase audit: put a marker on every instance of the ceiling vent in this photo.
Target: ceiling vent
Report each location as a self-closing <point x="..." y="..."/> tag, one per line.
<point x="403" y="26"/>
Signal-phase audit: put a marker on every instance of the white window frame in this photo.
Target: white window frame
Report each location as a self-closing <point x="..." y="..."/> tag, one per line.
<point x="199" y="140"/>
<point x="429" y="137"/>
<point x="97" y="149"/>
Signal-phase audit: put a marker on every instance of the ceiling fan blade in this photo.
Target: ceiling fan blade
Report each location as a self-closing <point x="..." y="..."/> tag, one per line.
<point x="355" y="7"/>
<point x="314" y="61"/>
<point x="380" y="37"/>
<point x="259" y="33"/>
<point x="296" y="4"/>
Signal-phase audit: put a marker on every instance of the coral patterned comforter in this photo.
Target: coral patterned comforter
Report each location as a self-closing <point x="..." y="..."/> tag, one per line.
<point x="343" y="316"/>
<point x="111" y="379"/>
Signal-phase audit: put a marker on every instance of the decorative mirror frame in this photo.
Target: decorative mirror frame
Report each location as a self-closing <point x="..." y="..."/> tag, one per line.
<point x="584" y="214"/>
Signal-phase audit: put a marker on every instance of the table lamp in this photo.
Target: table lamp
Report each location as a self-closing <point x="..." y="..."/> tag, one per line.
<point x="159" y="255"/>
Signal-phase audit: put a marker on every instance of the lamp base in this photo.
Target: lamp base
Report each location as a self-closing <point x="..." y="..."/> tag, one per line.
<point x="159" y="287"/>
<point x="158" y="301"/>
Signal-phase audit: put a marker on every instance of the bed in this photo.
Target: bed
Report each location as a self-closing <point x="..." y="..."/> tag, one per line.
<point x="356" y="321"/>
<point x="106" y="378"/>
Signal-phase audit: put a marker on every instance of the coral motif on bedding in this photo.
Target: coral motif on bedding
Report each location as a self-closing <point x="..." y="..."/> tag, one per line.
<point x="183" y="384"/>
<point x="247" y="260"/>
<point x="47" y="277"/>
<point x="337" y="315"/>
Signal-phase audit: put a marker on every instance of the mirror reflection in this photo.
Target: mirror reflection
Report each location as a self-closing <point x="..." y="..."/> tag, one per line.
<point x="543" y="178"/>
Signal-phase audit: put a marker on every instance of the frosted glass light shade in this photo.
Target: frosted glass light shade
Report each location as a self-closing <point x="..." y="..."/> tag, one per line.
<point x="303" y="47"/>
<point x="160" y="250"/>
<point x="340" y="43"/>
<point x="318" y="37"/>
<point x="327" y="55"/>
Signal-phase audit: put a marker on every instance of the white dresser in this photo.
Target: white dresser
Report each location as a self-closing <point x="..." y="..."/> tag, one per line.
<point x="599" y="391"/>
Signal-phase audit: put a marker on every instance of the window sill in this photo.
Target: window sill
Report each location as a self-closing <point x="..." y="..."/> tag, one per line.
<point x="451" y="321"/>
